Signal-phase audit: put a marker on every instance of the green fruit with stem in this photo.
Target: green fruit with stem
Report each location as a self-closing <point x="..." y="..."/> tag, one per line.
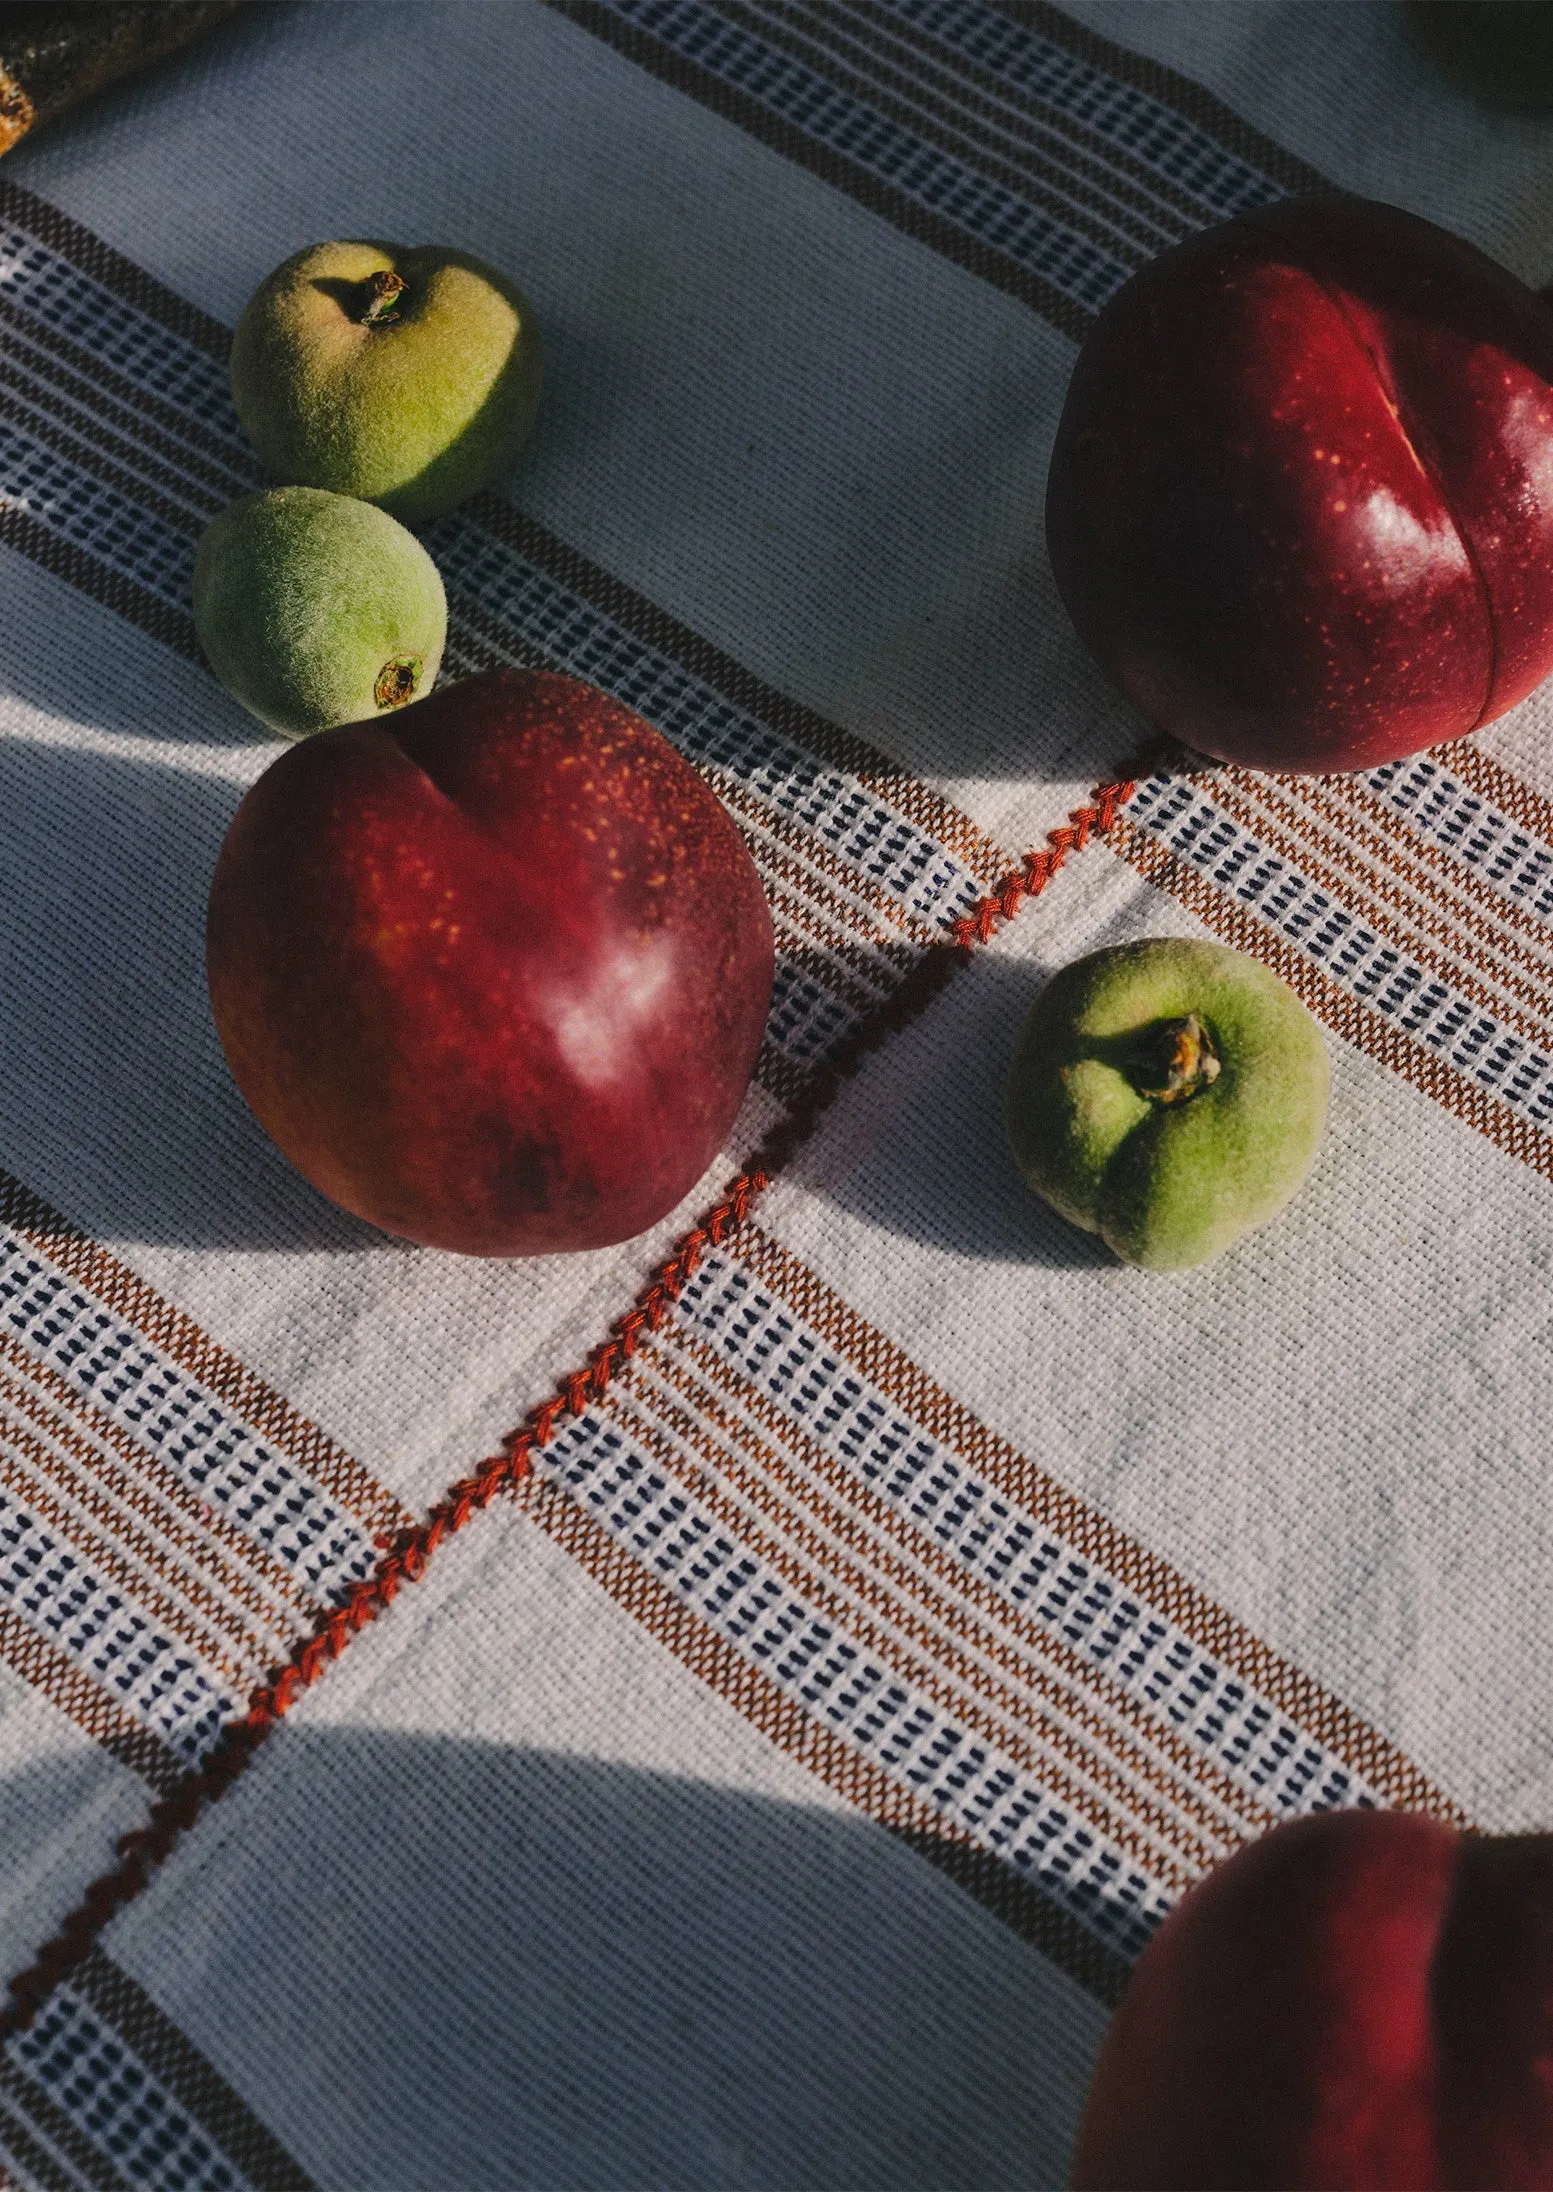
<point x="405" y="376"/>
<point x="314" y="609"/>
<point x="1168" y="1095"/>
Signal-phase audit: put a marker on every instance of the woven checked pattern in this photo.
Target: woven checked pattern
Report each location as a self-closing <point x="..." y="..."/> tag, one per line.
<point x="158" y="1552"/>
<point x="812" y="1500"/>
<point x="1064" y="87"/>
<point x="105" y="2090"/>
<point x="75" y="2062"/>
<point x="1027" y="151"/>
<point x="510" y="1467"/>
<point x="905" y="1603"/>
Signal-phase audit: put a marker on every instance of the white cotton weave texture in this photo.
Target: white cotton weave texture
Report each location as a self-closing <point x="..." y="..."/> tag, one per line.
<point x="774" y="1790"/>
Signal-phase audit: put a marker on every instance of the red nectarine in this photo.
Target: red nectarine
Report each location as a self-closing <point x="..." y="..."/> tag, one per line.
<point x="492" y="970"/>
<point x="1301" y="499"/>
<point x="1360" y="2000"/>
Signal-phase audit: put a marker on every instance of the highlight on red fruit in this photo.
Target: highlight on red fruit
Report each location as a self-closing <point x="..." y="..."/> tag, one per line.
<point x="1361" y="2001"/>
<point x="1300" y="505"/>
<point x="492" y="971"/>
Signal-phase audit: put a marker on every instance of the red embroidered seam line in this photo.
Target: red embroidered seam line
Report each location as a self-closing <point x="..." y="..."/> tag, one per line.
<point x="141" y="1852"/>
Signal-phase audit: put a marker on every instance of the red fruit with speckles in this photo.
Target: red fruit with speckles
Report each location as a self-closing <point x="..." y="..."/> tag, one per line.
<point x="1360" y="2001"/>
<point x="492" y="971"/>
<point x="1301" y="499"/>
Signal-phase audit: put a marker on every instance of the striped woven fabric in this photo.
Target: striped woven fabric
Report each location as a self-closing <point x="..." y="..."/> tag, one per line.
<point x="727" y="1710"/>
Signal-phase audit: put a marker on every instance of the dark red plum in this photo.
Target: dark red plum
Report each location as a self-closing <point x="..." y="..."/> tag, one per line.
<point x="493" y="971"/>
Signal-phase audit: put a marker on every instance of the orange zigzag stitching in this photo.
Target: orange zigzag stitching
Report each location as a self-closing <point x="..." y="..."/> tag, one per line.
<point x="141" y="1852"/>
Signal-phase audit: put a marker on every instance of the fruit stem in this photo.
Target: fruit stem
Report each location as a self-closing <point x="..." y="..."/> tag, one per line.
<point x="1175" y="1060"/>
<point x="383" y="291"/>
<point x="397" y="680"/>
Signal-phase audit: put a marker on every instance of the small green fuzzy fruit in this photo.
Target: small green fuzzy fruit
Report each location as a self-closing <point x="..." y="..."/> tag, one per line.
<point x="314" y="609"/>
<point x="1169" y="1096"/>
<point x="407" y="377"/>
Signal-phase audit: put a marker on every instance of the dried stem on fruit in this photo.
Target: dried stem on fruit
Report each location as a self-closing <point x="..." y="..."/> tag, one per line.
<point x="381" y="305"/>
<point x="1175" y="1060"/>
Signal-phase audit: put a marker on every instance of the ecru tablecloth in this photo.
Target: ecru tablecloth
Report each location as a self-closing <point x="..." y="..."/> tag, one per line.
<point x="772" y="1788"/>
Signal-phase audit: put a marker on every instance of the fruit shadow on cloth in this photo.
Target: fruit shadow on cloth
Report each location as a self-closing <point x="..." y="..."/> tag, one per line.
<point x="466" y="1964"/>
<point x="962" y="660"/>
<point x="116" y="1103"/>
<point x="939" y="1170"/>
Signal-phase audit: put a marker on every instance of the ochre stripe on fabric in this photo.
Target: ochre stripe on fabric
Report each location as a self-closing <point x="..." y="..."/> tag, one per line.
<point x="88" y="575"/>
<point x="136" y="1559"/>
<point x="36" y="2160"/>
<point x="1449" y="888"/>
<point x="172" y="2058"/>
<point x="29" y="367"/>
<point x="1073" y="1681"/>
<point x="1111" y="169"/>
<point x="113" y="270"/>
<point x="859" y="965"/>
<point x="990" y="1708"/>
<point x="38" y="408"/>
<point x="46" y="2116"/>
<point x="147" y="1489"/>
<point x="1209" y="1625"/>
<point x="1345" y="1014"/>
<point x="143" y="1852"/>
<point x="1191" y="100"/>
<point x="817" y="39"/>
<point x="1493" y="782"/>
<point x="812" y="852"/>
<point x="235" y="469"/>
<point x="1392" y="914"/>
<point x="840" y="1765"/>
<point x="249" y="1566"/>
<point x="830" y="961"/>
<point x="135" y="488"/>
<point x="182" y="1614"/>
<point x="1100" y="1781"/>
<point x="55" y="1676"/>
<point x="178" y="1336"/>
<point x="896" y="1587"/>
<point x="1113" y="209"/>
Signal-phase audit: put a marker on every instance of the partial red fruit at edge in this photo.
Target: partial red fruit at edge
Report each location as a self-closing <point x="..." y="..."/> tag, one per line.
<point x="493" y="970"/>
<point x="1359" y="2000"/>
<point x="1301" y="499"/>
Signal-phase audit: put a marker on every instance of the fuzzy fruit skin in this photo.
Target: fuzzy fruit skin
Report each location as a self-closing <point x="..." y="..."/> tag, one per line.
<point x="415" y="413"/>
<point x="1166" y="1185"/>
<point x="312" y="608"/>
<point x="1300" y="505"/>
<point x="492" y="971"/>
<point x="1361" y="2001"/>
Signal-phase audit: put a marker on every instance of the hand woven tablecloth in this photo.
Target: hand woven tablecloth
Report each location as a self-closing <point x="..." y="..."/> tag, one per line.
<point x="762" y="1771"/>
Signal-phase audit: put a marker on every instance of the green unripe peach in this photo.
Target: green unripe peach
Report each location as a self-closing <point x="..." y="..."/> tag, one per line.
<point x="1167" y="1095"/>
<point x="315" y="609"/>
<point x="406" y="377"/>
